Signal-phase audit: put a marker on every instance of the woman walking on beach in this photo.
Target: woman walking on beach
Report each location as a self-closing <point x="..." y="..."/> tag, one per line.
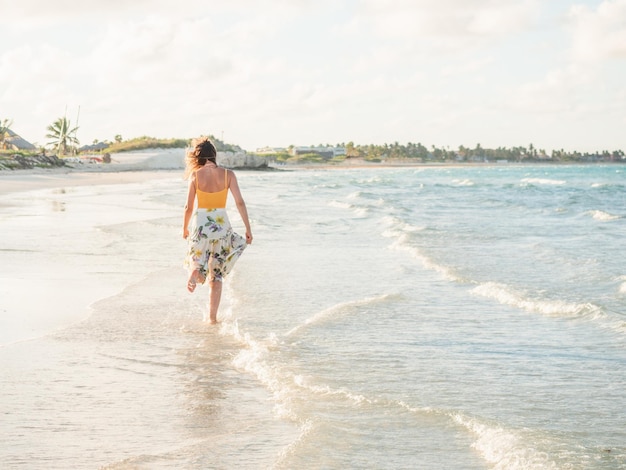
<point x="213" y="246"/>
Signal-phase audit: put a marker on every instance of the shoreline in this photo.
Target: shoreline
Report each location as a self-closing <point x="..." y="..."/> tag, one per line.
<point x="142" y="168"/>
<point x="124" y="169"/>
<point x="31" y="180"/>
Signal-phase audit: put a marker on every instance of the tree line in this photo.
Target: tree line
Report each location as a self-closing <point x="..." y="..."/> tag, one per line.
<point x="412" y="151"/>
<point x="63" y="139"/>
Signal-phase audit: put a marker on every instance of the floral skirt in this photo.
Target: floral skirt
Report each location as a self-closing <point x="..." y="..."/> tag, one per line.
<point x="213" y="246"/>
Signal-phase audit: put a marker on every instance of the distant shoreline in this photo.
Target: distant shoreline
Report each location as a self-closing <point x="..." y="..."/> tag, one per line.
<point x="391" y="164"/>
<point x="141" y="169"/>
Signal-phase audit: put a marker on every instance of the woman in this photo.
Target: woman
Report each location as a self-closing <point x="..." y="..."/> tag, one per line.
<point x="213" y="246"/>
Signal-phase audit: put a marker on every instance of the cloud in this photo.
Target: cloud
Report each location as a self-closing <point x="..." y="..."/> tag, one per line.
<point x="599" y="34"/>
<point x="290" y="71"/>
<point x="448" y="23"/>
<point x="559" y="91"/>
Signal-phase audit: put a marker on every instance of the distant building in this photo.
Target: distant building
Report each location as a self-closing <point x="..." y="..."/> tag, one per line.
<point x="270" y="150"/>
<point x="327" y="152"/>
<point x="15" y="142"/>
<point x="94" y="147"/>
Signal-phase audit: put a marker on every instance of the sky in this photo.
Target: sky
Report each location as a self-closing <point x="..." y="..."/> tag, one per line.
<point x="259" y="73"/>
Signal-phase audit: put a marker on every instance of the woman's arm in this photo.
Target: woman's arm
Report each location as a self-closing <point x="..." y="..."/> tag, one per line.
<point x="191" y="196"/>
<point x="241" y="205"/>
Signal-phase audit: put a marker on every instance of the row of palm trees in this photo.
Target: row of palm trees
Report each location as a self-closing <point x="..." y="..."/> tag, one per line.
<point x="62" y="135"/>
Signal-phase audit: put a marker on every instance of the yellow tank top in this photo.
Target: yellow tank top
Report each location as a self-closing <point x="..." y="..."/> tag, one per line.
<point x="215" y="200"/>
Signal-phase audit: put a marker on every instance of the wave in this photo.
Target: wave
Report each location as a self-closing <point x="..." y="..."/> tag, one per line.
<point x="359" y="211"/>
<point x="464" y="182"/>
<point x="374" y="180"/>
<point x="507" y="296"/>
<point x="500" y="447"/>
<point x="509" y="450"/>
<point x="338" y="309"/>
<point x="602" y="216"/>
<point x="339" y="205"/>
<point x="622" y="287"/>
<point x="401" y="244"/>
<point x="401" y="231"/>
<point x="543" y="181"/>
<point x="327" y="391"/>
<point x="398" y="227"/>
<point x="252" y="358"/>
<point x="551" y="308"/>
<point x="291" y="449"/>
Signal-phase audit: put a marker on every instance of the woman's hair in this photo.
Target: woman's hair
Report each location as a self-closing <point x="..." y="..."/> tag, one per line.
<point x="202" y="151"/>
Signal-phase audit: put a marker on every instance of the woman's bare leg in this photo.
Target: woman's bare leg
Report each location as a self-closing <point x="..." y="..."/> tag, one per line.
<point x="214" y="299"/>
<point x="195" y="277"/>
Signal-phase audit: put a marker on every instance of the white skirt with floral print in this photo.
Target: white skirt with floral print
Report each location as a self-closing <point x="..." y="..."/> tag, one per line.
<point x="213" y="246"/>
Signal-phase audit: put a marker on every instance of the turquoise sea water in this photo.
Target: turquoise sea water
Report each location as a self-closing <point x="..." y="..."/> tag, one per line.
<point x="466" y="318"/>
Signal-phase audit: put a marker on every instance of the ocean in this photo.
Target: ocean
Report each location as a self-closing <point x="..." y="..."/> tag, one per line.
<point x="469" y="317"/>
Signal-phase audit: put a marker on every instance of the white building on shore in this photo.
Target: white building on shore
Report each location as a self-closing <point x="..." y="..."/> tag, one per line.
<point x="327" y="152"/>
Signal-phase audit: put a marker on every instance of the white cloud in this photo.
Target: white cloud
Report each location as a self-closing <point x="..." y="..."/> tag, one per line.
<point x="449" y="23"/>
<point x="471" y="68"/>
<point x="278" y="71"/>
<point x="599" y="34"/>
<point x="559" y="91"/>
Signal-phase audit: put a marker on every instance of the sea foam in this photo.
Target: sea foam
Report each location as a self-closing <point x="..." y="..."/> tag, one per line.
<point x="543" y="181"/>
<point x="504" y="448"/>
<point x="509" y="296"/>
<point x="603" y="216"/>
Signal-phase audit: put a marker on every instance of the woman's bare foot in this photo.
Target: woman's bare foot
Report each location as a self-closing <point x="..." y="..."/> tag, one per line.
<point x="207" y="319"/>
<point x="195" y="278"/>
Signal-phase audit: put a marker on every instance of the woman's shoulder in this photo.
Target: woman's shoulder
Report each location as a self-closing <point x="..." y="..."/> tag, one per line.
<point x="231" y="174"/>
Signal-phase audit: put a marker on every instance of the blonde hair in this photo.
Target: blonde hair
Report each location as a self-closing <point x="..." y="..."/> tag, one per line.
<point x="201" y="151"/>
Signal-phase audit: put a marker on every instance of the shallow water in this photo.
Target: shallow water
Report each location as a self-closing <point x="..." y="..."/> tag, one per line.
<point x="469" y="318"/>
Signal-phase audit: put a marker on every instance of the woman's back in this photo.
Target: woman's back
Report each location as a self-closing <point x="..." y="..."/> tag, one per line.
<point x="211" y="179"/>
<point x="211" y="188"/>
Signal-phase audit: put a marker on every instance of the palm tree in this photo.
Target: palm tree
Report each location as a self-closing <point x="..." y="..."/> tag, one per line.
<point x="62" y="134"/>
<point x="4" y="131"/>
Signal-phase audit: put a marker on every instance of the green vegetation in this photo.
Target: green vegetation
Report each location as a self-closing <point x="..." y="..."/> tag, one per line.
<point x="65" y="142"/>
<point x="307" y="158"/>
<point x="142" y="143"/>
<point x="5" y="124"/>
<point x="280" y="157"/>
<point x="63" y="136"/>
<point x="418" y="153"/>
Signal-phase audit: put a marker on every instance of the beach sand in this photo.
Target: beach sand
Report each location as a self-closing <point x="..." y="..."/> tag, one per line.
<point x="30" y="180"/>
<point x="54" y="269"/>
<point x="131" y="167"/>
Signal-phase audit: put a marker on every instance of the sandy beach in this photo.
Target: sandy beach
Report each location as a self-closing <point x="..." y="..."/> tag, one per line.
<point x="131" y="167"/>
<point x="28" y="180"/>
